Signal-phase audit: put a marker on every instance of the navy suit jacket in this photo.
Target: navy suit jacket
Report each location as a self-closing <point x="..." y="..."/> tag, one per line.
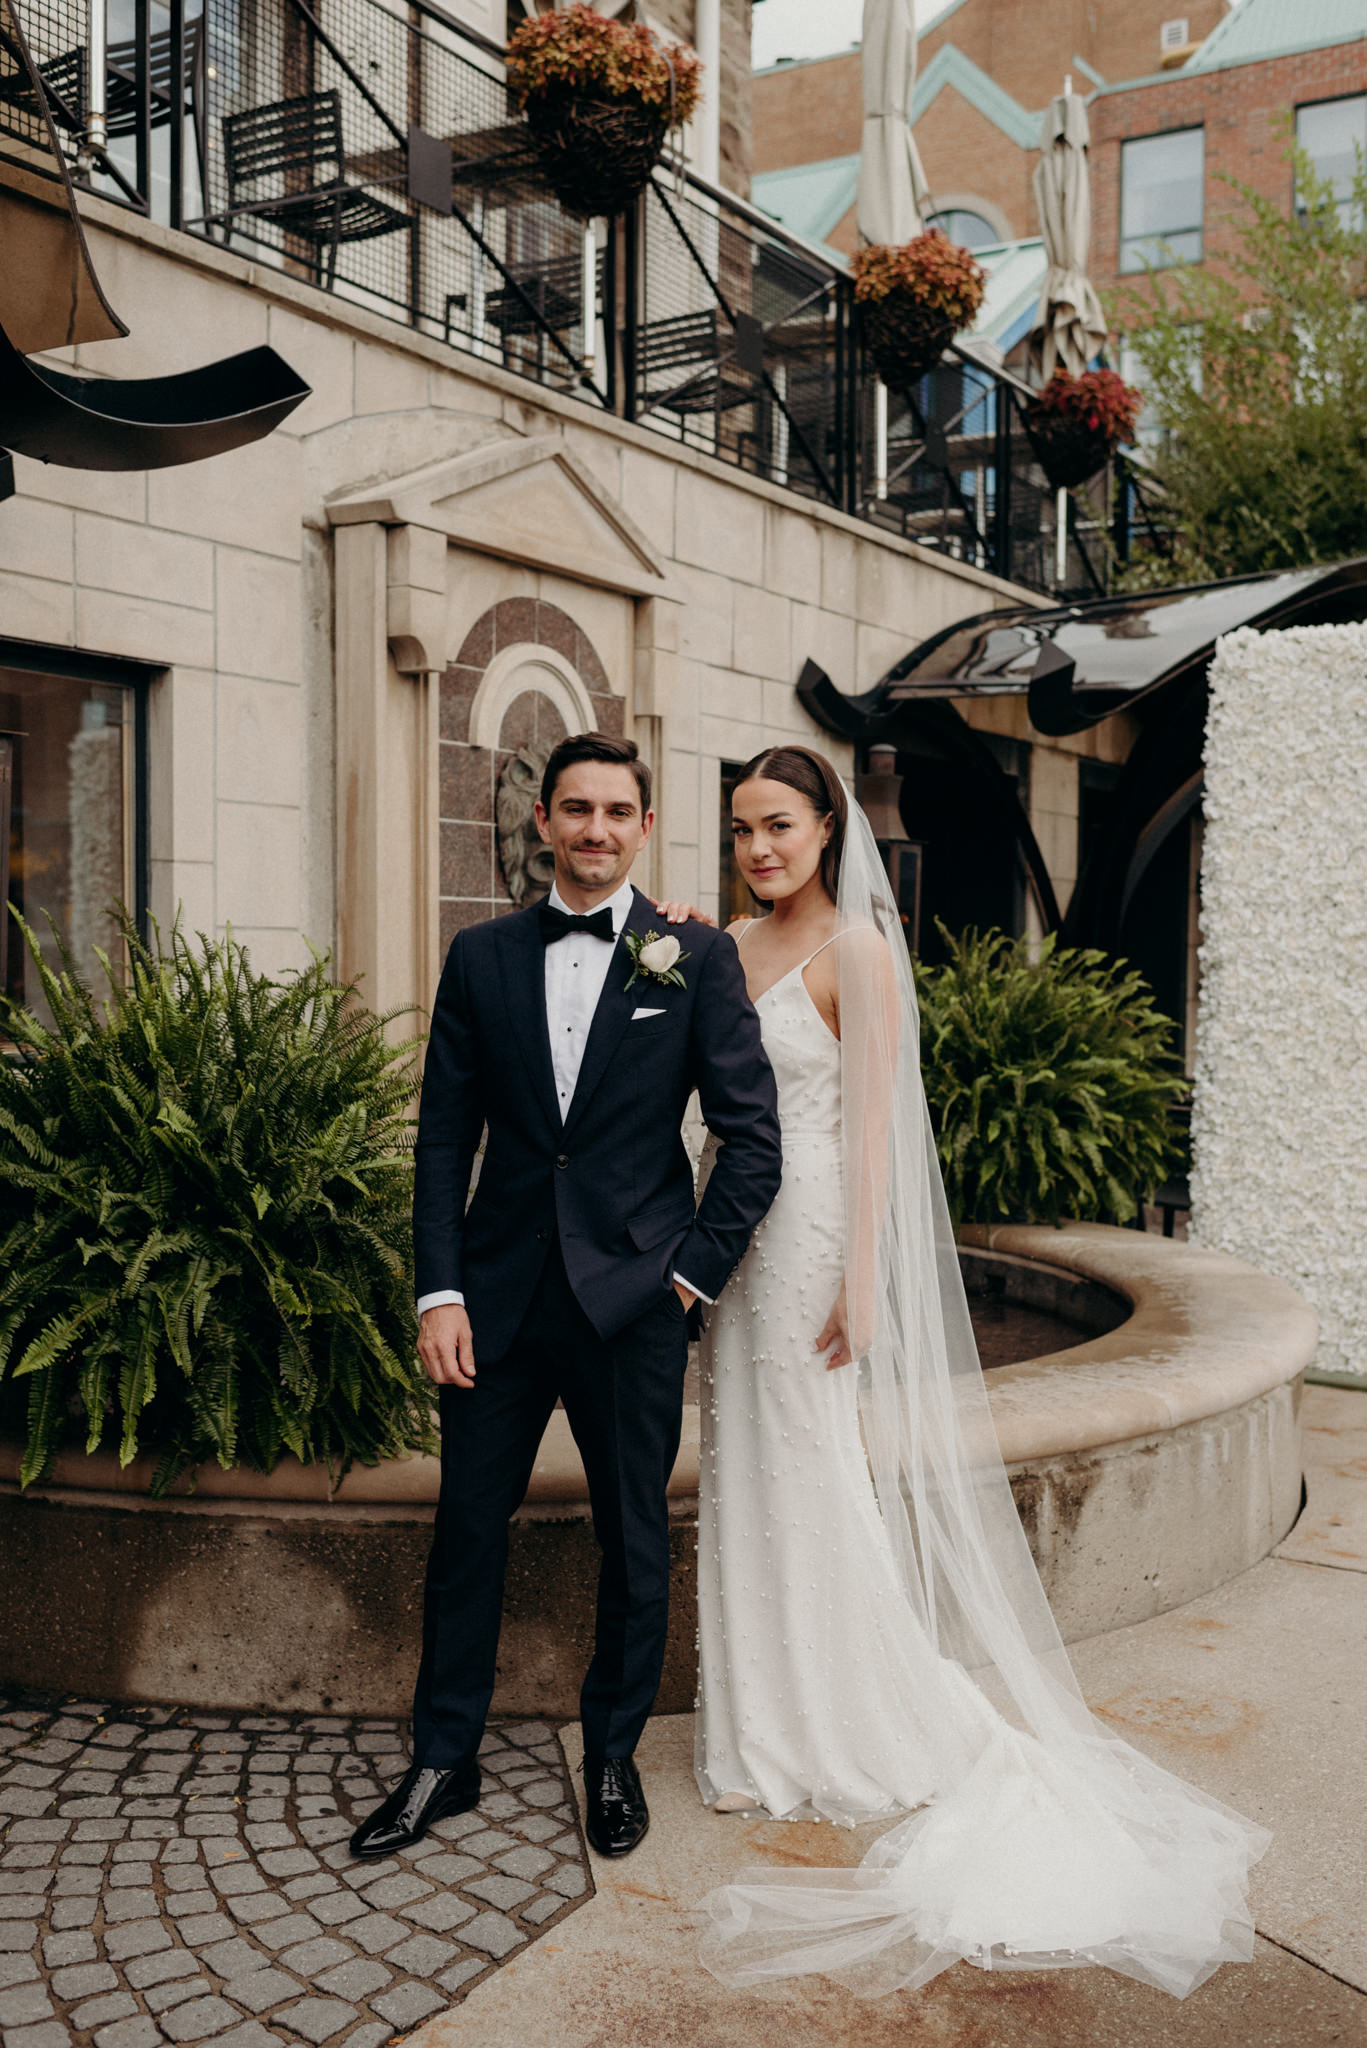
<point x="613" y="1182"/>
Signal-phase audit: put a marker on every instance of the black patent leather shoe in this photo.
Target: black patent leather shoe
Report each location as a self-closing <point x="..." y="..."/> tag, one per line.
<point x="423" y="1796"/>
<point x="617" y="1812"/>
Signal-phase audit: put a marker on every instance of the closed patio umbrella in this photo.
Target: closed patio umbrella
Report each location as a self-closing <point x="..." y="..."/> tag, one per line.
<point x="892" y="187"/>
<point x="1070" y="325"/>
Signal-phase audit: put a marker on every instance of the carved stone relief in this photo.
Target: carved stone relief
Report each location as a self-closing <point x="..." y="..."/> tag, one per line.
<point x="527" y="866"/>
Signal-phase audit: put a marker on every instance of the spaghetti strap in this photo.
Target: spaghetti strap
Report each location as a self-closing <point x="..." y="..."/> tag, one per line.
<point x="821" y="949"/>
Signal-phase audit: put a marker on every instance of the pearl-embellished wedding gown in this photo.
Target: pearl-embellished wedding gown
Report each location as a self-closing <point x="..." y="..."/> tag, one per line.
<point x="817" y="1693"/>
<point x="822" y="1691"/>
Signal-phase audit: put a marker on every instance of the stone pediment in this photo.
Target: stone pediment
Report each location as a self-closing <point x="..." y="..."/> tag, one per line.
<point x="526" y="500"/>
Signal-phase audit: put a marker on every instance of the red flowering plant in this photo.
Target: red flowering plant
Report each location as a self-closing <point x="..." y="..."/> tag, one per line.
<point x="599" y="98"/>
<point x="913" y="299"/>
<point x="1077" y="423"/>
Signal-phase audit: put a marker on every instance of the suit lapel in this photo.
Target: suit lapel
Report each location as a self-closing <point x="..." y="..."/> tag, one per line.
<point x="613" y="1013"/>
<point x="522" y="963"/>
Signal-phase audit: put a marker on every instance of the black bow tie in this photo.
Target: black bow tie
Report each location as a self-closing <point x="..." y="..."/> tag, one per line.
<point x="558" y="924"/>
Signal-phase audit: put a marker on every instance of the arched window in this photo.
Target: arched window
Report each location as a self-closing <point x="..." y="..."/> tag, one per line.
<point x="968" y="229"/>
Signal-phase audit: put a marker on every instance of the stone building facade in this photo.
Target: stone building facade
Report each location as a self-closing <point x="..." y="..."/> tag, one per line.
<point x="334" y="642"/>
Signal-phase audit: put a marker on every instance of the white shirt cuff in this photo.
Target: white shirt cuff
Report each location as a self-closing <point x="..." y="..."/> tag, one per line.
<point x="695" y="1290"/>
<point x="439" y="1300"/>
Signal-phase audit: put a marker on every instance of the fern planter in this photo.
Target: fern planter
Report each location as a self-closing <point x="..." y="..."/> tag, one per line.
<point x="205" y="1190"/>
<point x="1051" y="1079"/>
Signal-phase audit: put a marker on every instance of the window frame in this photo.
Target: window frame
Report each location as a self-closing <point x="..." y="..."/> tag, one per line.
<point x="1309" y="106"/>
<point x="72" y="664"/>
<point x="1167" y="237"/>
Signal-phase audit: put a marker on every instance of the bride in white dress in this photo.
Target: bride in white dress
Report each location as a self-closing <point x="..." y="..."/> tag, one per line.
<point x="874" y="1636"/>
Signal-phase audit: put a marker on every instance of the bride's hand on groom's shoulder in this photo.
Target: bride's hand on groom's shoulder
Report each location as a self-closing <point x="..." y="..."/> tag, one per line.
<point x="681" y="913"/>
<point x="446" y="1346"/>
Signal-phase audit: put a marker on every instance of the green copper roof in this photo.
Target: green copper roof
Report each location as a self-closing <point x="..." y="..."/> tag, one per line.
<point x="810" y="199"/>
<point x="1258" y="29"/>
<point x="949" y="66"/>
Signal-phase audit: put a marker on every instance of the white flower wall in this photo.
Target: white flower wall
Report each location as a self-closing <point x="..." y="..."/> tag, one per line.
<point x="1279" y="1122"/>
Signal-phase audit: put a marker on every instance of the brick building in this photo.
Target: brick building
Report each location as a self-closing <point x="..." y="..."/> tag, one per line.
<point x="1162" y="146"/>
<point x="986" y="71"/>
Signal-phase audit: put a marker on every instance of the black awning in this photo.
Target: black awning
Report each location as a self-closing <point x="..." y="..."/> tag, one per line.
<point x="1081" y="662"/>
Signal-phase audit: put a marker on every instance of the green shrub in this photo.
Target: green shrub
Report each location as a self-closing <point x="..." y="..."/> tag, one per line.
<point x="205" y="1180"/>
<point x="1051" y="1080"/>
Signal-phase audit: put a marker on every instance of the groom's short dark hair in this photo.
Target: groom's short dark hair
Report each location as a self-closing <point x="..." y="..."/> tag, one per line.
<point x="595" y="746"/>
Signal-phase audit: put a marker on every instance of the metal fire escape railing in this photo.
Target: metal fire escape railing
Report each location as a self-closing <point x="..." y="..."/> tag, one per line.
<point x="371" y="150"/>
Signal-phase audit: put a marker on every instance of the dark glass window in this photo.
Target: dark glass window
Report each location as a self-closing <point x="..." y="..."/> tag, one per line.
<point x="734" y="898"/>
<point x="1162" y="199"/>
<point x="1333" y="134"/>
<point x="69" y="854"/>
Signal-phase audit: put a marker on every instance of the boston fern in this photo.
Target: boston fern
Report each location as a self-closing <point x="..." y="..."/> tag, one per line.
<point x="205" y="1179"/>
<point x="1051" y="1080"/>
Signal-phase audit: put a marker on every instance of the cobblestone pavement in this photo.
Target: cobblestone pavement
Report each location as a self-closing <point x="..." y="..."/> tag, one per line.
<point x="168" y="1875"/>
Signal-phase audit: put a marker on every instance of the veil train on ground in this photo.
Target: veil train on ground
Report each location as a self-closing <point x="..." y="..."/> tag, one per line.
<point x="1054" y="1844"/>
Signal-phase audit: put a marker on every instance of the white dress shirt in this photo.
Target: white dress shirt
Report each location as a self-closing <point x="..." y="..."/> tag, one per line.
<point x="576" y="968"/>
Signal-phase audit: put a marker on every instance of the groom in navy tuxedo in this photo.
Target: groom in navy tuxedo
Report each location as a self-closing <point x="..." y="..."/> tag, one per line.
<point x="572" y="1272"/>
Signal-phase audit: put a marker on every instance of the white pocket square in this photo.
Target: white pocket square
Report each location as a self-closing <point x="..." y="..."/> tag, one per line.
<point x="645" y="1013"/>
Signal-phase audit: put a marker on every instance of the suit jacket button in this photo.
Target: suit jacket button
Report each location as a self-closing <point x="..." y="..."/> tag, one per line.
<point x="542" y="1235"/>
<point x="563" y="1160"/>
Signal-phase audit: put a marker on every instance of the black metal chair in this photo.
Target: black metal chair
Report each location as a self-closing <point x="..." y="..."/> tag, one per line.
<point x="296" y="145"/>
<point x="688" y="365"/>
<point x="64" y="81"/>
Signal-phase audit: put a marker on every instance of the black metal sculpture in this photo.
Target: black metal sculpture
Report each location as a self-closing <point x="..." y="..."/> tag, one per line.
<point x="142" y="422"/>
<point x="51" y="298"/>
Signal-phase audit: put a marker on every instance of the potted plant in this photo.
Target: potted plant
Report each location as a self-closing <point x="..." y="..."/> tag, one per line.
<point x="205" y="1198"/>
<point x="599" y="98"/>
<point x="1076" y="424"/>
<point x="1052" y="1081"/>
<point x="913" y="300"/>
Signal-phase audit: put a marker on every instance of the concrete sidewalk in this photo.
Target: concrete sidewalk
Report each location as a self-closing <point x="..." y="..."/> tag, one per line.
<point x="1255" y="1693"/>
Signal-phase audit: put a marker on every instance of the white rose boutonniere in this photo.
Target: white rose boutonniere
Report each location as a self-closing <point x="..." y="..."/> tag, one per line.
<point x="655" y="959"/>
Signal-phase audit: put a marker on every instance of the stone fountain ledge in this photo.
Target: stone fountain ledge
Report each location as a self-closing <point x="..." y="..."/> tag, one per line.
<point x="1149" y="1464"/>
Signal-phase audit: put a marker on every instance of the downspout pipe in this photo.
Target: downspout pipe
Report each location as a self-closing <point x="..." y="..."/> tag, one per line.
<point x="707" y="42"/>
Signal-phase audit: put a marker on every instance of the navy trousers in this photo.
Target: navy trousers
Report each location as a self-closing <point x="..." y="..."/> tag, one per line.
<point x="624" y="1400"/>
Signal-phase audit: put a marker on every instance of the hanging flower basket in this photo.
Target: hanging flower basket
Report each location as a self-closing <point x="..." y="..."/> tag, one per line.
<point x="913" y="300"/>
<point x="599" y="98"/>
<point x="1076" y="424"/>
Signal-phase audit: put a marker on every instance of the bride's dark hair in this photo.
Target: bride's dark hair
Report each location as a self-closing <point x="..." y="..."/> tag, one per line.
<point x="812" y="776"/>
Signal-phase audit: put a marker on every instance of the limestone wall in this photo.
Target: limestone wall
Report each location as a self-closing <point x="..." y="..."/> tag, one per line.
<point x="300" y="712"/>
<point x="1280" y="1116"/>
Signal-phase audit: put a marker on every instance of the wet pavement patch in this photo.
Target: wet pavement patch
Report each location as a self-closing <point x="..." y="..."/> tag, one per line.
<point x="168" y="1875"/>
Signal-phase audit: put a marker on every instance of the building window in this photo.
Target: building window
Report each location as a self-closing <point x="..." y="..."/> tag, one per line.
<point x="1162" y="199"/>
<point x="734" y="898"/>
<point x="70" y="854"/>
<point x="965" y="227"/>
<point x="1333" y="134"/>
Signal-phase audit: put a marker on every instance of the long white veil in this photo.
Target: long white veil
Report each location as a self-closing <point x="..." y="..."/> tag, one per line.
<point x="1056" y="1844"/>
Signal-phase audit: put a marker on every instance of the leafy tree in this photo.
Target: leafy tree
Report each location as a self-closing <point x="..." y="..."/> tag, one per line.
<point x="205" y="1186"/>
<point x="1051" y="1081"/>
<point x="1256" y="373"/>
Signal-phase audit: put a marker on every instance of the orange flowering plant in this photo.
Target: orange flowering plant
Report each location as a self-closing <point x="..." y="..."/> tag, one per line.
<point x="581" y="51"/>
<point x="930" y="268"/>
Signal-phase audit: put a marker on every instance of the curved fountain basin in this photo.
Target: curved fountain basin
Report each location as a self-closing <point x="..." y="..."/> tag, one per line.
<point x="1151" y="1461"/>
